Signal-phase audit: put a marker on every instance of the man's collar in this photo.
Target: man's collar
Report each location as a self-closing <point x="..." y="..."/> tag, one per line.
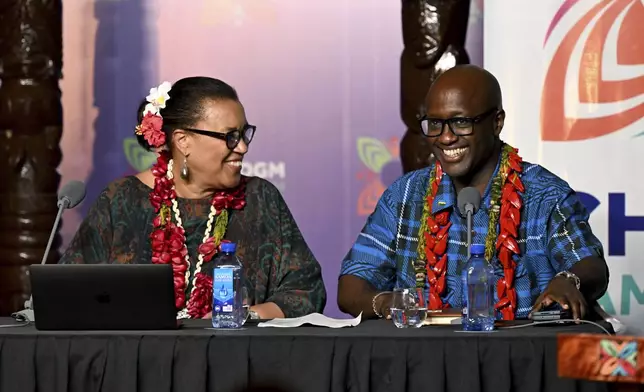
<point x="446" y="194"/>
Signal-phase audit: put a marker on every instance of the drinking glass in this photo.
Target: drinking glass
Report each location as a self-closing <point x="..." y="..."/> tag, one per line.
<point x="407" y="309"/>
<point x="246" y="303"/>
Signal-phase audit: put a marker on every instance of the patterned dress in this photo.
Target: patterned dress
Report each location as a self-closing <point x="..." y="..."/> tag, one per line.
<point x="278" y="264"/>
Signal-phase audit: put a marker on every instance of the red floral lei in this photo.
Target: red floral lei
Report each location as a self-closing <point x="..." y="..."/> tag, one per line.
<point x="432" y="261"/>
<point x="169" y="242"/>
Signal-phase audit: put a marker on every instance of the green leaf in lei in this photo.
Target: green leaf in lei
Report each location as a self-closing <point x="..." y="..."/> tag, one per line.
<point x="220" y="226"/>
<point x="373" y="153"/>
<point x="139" y="158"/>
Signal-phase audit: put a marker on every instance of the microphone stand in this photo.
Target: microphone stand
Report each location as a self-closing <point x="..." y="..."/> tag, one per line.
<point x="28" y="313"/>
<point x="469" y="209"/>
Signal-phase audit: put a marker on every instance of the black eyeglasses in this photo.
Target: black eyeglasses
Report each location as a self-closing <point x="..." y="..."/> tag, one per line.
<point x="232" y="138"/>
<point x="460" y="126"/>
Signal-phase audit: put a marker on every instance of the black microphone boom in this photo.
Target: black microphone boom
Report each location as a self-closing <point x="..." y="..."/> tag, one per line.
<point x="69" y="196"/>
<point x="469" y="201"/>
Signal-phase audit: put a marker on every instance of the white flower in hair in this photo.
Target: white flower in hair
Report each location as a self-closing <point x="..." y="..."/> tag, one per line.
<point x="157" y="98"/>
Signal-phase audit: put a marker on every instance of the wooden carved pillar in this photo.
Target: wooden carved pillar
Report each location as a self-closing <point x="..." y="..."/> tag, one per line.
<point x="434" y="40"/>
<point x="30" y="131"/>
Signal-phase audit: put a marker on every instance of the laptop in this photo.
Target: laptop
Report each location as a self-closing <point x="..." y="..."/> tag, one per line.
<point x="72" y="297"/>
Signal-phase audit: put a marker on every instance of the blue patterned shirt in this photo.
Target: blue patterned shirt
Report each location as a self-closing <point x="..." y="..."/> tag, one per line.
<point x="554" y="234"/>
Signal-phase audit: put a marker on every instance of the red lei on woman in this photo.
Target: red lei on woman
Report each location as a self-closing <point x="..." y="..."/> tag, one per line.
<point x="505" y="209"/>
<point x="169" y="241"/>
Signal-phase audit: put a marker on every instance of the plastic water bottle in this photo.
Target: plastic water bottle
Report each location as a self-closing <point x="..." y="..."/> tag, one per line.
<point x="478" y="292"/>
<point x="227" y="303"/>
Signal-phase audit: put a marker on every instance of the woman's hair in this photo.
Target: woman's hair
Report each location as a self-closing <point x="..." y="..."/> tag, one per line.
<point x="186" y="104"/>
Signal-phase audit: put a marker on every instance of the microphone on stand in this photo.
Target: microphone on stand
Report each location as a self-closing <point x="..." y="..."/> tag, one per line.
<point x="469" y="201"/>
<point x="69" y="196"/>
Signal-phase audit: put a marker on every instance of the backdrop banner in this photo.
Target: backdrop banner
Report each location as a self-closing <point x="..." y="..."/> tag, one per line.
<point x="319" y="79"/>
<point x="572" y="74"/>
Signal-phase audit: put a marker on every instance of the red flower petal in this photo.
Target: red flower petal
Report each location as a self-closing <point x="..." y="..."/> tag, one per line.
<point x="503" y="302"/>
<point x="435" y="302"/>
<point x="442" y="218"/>
<point x="431" y="277"/>
<point x="429" y="241"/>
<point x="500" y="239"/>
<point x="515" y="200"/>
<point x="441" y="246"/>
<point x="505" y="258"/>
<point x="516" y="181"/>
<point x="443" y="231"/>
<point x="512" y="244"/>
<point x="432" y="225"/>
<point x="440" y="285"/>
<point x="439" y="268"/>
<point x="508" y="274"/>
<point x="500" y="288"/>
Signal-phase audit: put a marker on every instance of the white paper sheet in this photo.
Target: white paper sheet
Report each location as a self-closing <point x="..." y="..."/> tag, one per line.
<point x="316" y="319"/>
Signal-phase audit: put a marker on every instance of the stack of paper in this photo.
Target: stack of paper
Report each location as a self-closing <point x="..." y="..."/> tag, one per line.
<point x="316" y="319"/>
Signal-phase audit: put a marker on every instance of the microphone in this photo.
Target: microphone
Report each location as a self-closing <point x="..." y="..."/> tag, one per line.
<point x="69" y="196"/>
<point x="468" y="201"/>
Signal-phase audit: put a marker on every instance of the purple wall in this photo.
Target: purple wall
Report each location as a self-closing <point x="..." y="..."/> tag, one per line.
<point x="314" y="86"/>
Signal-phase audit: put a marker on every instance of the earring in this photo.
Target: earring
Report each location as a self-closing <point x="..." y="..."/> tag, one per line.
<point x="184" y="173"/>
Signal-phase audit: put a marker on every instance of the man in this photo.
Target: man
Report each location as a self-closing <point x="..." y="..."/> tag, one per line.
<point x="541" y="246"/>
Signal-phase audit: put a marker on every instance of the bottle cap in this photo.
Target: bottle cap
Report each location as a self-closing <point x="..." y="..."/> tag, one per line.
<point x="477" y="249"/>
<point x="228" y="247"/>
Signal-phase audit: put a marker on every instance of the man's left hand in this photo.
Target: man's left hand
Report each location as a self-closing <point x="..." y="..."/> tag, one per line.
<point x="563" y="291"/>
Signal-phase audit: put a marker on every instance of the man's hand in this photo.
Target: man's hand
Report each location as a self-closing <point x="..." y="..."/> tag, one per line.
<point x="384" y="302"/>
<point x="564" y="292"/>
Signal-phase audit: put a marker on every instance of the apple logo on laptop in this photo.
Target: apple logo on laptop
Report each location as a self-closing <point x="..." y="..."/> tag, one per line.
<point x="103" y="298"/>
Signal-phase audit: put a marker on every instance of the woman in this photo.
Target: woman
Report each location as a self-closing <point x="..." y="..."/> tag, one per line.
<point x="193" y="198"/>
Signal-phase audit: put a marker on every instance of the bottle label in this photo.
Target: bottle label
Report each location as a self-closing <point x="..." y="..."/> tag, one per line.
<point x="223" y="293"/>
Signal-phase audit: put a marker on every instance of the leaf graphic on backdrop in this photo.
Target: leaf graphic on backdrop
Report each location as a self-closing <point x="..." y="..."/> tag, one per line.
<point x="373" y="153"/>
<point x="368" y="198"/>
<point x="138" y="157"/>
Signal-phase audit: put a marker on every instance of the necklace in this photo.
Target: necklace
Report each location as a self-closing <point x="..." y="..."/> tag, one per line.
<point x="505" y="210"/>
<point x="169" y="242"/>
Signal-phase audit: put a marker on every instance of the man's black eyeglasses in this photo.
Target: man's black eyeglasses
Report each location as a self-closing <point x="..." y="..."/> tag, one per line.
<point x="232" y="138"/>
<point x="460" y="126"/>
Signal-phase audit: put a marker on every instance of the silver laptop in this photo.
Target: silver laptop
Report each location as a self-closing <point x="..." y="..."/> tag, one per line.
<point x="103" y="297"/>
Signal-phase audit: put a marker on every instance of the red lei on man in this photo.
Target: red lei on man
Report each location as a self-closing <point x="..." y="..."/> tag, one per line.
<point x="505" y="209"/>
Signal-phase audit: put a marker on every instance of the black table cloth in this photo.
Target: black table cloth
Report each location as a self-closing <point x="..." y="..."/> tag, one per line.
<point x="375" y="356"/>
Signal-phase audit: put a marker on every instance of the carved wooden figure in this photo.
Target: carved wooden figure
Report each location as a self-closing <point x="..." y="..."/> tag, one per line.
<point x="30" y="132"/>
<point x="434" y="40"/>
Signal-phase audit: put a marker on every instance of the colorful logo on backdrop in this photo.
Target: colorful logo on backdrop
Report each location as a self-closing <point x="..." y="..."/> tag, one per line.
<point x="138" y="157"/>
<point x="594" y="85"/>
<point x="381" y="167"/>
